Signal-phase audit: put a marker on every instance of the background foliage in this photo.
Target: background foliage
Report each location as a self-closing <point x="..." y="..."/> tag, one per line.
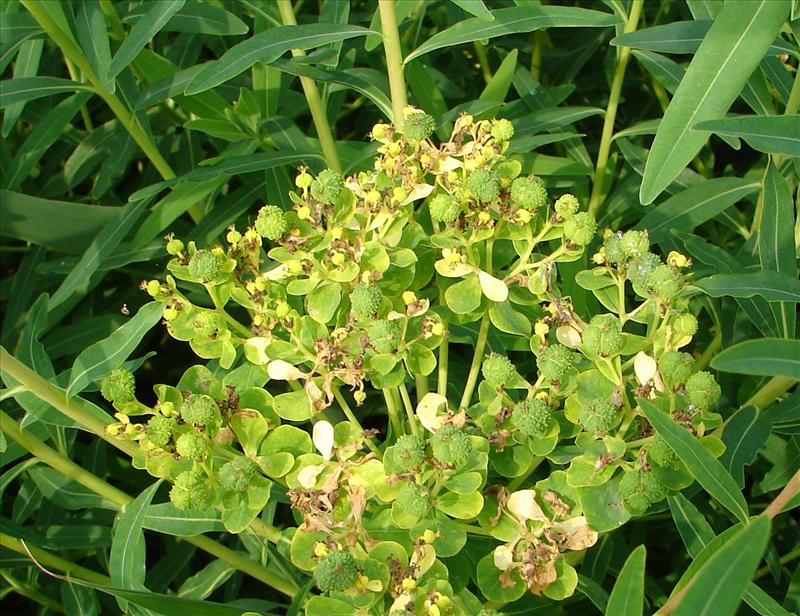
<point x="124" y="120"/>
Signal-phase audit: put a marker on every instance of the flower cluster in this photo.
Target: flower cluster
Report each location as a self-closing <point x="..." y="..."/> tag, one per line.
<point x="345" y="307"/>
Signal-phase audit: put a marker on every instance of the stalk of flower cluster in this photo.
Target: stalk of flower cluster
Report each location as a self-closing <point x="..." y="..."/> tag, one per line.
<point x="611" y="110"/>
<point x="394" y="60"/>
<point x="73" y="471"/>
<point x="313" y="98"/>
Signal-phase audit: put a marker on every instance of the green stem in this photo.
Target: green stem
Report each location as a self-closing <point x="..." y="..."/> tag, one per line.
<point x="348" y="412"/>
<point x="315" y="105"/>
<point x="56" y="398"/>
<point x="412" y="420"/>
<point x="711" y="350"/>
<point x="536" y="55"/>
<point x="477" y="360"/>
<point x="421" y="384"/>
<point x="611" y="110"/>
<point x="51" y="561"/>
<point x="476" y="530"/>
<point x="70" y="469"/>
<point x="220" y="309"/>
<point x="786" y="559"/>
<point x="394" y="60"/>
<point x="444" y="352"/>
<point x="129" y="121"/>
<point x="483" y="58"/>
<point x="117" y="30"/>
<point x="31" y="593"/>
<point x="394" y="417"/>
<point x="771" y="391"/>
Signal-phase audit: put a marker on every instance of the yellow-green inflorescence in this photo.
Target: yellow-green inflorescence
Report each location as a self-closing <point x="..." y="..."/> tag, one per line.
<point x="345" y="309"/>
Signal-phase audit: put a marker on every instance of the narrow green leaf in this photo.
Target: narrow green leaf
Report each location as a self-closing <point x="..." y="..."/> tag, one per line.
<point x="704" y="467"/>
<point x="627" y="597"/>
<point x="513" y="21"/>
<point x="102" y="357"/>
<point x="744" y="434"/>
<point x="474" y="7"/>
<point x="761" y="357"/>
<point x="67" y="493"/>
<point x="772" y="286"/>
<point x="548" y="119"/>
<point x="682" y="37"/>
<point x="250" y="163"/>
<point x="266" y="47"/>
<point x="14" y="26"/>
<point x="694" y="206"/>
<point x="717" y="588"/>
<point x="79" y="600"/>
<point x="697" y="533"/>
<point x="77" y="282"/>
<point x="206" y="581"/>
<point x="90" y="28"/>
<point x="27" y="65"/>
<point x="728" y="55"/>
<point x="31" y="88"/>
<point x="497" y="88"/>
<point x="158" y="14"/>
<point x="199" y="18"/>
<point x="773" y="134"/>
<point x="126" y="562"/>
<point x="41" y="138"/>
<point x="776" y="247"/>
<point x="353" y="78"/>
<point x="165" y="518"/>
<point x="22" y="287"/>
<point x="163" y="213"/>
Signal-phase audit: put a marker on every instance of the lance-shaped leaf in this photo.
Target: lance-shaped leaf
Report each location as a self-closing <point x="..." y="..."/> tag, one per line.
<point x="627" y="597"/>
<point x="763" y="357"/>
<point x="704" y="467"/>
<point x="728" y="55"/>
<point x="770" y="134"/>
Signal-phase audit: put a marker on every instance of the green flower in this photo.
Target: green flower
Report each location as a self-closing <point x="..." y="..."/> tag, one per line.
<point x="702" y="390"/>
<point x="200" y="410"/>
<point x="119" y="386"/>
<point x="207" y="324"/>
<point x="566" y="206"/>
<point x="336" y="572"/>
<point x="661" y="453"/>
<point x="664" y="282"/>
<point x="409" y="453"/>
<point x="271" y="223"/>
<point x="236" y="475"/>
<point x="444" y="208"/>
<point x="599" y="417"/>
<point x="640" y="269"/>
<point x="555" y="361"/>
<point x="483" y="185"/>
<point x="384" y="335"/>
<point x="192" y="446"/>
<point x="639" y="490"/>
<point x="528" y="193"/>
<point x="413" y="499"/>
<point x="418" y="126"/>
<point x="497" y="369"/>
<point x="531" y="417"/>
<point x="160" y="430"/>
<point x="502" y="130"/>
<point x="685" y="324"/>
<point x="603" y="337"/>
<point x="450" y="445"/>
<point x="675" y="368"/>
<point x="205" y="265"/>
<point x="327" y="187"/>
<point x="190" y="491"/>
<point x="365" y="300"/>
<point x="580" y="228"/>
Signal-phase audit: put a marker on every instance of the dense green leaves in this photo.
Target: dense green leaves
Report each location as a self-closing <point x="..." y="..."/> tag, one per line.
<point x="627" y="597"/>
<point x="773" y="135"/>
<point x="729" y="53"/>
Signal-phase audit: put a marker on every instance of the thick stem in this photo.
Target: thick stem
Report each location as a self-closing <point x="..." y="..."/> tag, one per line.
<point x="52" y="561"/>
<point x="394" y="417"/>
<point x="351" y="417"/>
<point x="483" y="58"/>
<point x="394" y="60"/>
<point x="315" y="105"/>
<point x="770" y="392"/>
<point x="611" y="110"/>
<point x="71" y="51"/>
<point x="56" y="398"/>
<point x="71" y="470"/>
<point x="412" y="420"/>
<point x="444" y="352"/>
<point x="421" y="384"/>
<point x="788" y="493"/>
<point x="477" y="360"/>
